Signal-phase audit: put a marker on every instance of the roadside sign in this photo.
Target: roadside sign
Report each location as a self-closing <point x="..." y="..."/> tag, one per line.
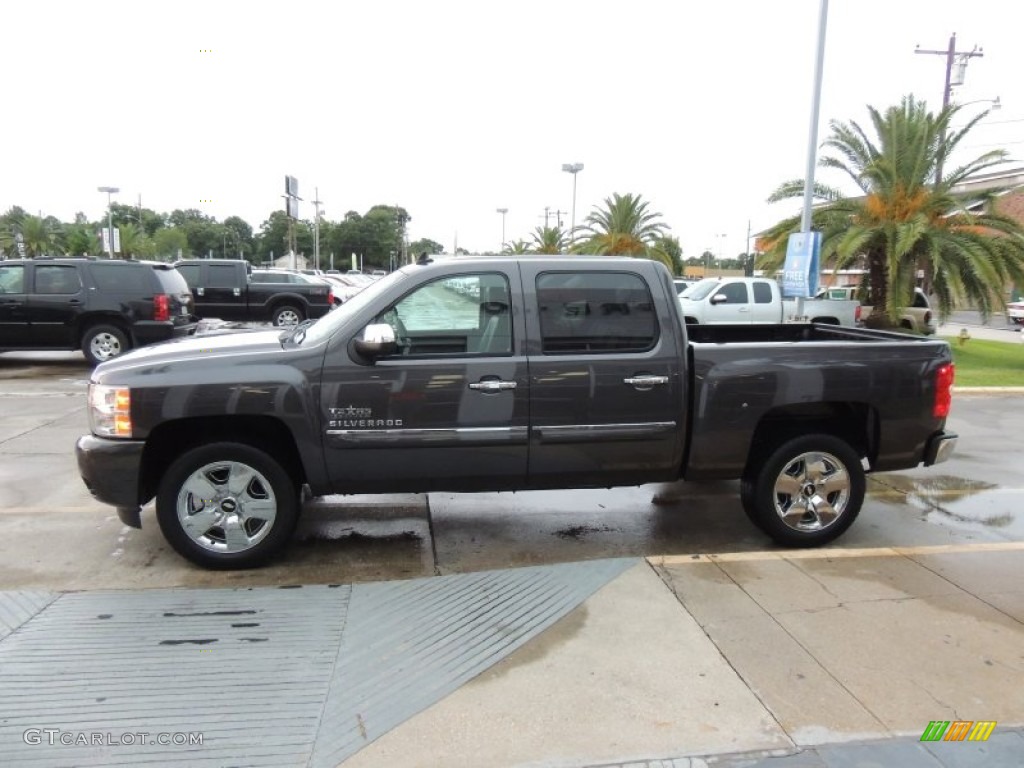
<point x="800" y="273"/>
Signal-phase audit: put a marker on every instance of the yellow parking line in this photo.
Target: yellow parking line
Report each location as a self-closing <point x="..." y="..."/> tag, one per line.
<point x="829" y="554"/>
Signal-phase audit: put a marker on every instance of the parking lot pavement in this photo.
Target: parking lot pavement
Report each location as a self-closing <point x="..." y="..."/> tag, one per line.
<point x="712" y="646"/>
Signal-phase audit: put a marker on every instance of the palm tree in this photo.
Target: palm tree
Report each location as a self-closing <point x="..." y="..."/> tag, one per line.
<point x="134" y="242"/>
<point x="624" y="227"/>
<point x="39" y="235"/>
<point x="906" y="220"/>
<point x="549" y="240"/>
<point x="517" y="247"/>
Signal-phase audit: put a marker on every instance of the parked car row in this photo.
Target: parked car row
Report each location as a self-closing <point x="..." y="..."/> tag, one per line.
<point x="106" y="307"/>
<point x="102" y="307"/>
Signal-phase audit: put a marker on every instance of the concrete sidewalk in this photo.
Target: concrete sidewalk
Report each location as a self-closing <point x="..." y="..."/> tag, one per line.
<point x="811" y="658"/>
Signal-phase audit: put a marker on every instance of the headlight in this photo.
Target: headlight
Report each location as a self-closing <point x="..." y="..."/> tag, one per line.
<point x="110" y="411"/>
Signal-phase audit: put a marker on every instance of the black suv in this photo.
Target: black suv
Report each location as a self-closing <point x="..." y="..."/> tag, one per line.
<point x="103" y="307"/>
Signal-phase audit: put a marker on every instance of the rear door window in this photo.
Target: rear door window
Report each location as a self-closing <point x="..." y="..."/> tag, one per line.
<point x="57" y="279"/>
<point x="585" y="312"/>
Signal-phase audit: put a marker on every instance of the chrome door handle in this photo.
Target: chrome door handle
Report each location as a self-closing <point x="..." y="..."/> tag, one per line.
<point x="492" y="385"/>
<point x="645" y="381"/>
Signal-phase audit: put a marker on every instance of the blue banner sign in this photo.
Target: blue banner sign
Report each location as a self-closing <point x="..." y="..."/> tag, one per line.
<point x="800" y="273"/>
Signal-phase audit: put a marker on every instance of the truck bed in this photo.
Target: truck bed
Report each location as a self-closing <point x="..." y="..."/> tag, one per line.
<point x="755" y="381"/>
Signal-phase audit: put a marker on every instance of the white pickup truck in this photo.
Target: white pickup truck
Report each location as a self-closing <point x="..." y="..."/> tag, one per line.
<point x="717" y="300"/>
<point x="917" y="318"/>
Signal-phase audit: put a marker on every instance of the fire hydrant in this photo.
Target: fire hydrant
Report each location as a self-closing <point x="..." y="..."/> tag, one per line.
<point x="964" y="336"/>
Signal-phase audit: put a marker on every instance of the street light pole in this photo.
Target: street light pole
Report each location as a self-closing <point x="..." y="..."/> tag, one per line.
<point x="502" y="211"/>
<point x="721" y="252"/>
<point x="110" y="218"/>
<point x="573" y="168"/>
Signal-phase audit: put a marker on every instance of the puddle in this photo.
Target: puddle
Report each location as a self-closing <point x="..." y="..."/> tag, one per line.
<point x="957" y="501"/>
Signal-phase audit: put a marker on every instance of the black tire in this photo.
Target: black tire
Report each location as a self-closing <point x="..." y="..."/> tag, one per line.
<point x="807" y="492"/>
<point x="288" y="315"/>
<point x="238" y="528"/>
<point x="747" y="497"/>
<point x="104" y="342"/>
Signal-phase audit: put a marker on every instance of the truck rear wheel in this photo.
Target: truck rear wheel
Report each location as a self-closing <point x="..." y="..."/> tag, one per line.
<point x="287" y="315"/>
<point x="808" y="491"/>
<point x="227" y="505"/>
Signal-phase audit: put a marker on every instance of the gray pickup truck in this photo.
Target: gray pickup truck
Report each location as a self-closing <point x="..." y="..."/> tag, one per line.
<point x="498" y="374"/>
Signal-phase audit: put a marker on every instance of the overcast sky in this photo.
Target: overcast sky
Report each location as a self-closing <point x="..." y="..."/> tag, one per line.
<point x="455" y="109"/>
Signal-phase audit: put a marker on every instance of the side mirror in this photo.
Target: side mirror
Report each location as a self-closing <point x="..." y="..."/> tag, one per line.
<point x="377" y="340"/>
<point x="719" y="298"/>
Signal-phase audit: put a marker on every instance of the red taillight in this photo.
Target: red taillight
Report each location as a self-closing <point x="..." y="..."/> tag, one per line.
<point x="943" y="391"/>
<point x="856" y="314"/>
<point x="330" y="297"/>
<point x="161" y="307"/>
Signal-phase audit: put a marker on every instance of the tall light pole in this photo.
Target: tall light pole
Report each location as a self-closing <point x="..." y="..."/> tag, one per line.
<point x="110" y="218"/>
<point x="502" y="211"/>
<point x="573" y="168"/>
<point x="721" y="251"/>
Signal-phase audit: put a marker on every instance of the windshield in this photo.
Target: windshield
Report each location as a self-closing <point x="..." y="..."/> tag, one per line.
<point x="700" y="290"/>
<point x="325" y="327"/>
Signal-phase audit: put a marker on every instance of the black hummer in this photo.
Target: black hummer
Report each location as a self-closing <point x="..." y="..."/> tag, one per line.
<point x="104" y="307"/>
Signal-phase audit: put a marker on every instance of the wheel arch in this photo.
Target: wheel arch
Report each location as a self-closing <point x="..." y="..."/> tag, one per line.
<point x="91" y="320"/>
<point x="169" y="440"/>
<point x="854" y="423"/>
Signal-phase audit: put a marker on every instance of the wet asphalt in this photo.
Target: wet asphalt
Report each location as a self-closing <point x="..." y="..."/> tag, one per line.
<point x="916" y="613"/>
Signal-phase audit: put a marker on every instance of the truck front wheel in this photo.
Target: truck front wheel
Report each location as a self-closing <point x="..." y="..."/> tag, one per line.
<point x="808" y="491"/>
<point x="287" y="315"/>
<point x="227" y="505"/>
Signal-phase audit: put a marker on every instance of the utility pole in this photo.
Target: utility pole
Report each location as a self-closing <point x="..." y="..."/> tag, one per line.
<point x="558" y="215"/>
<point x="962" y="58"/>
<point x="316" y="227"/>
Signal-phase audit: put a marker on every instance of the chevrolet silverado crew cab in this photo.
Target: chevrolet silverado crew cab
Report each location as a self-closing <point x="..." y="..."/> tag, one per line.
<point x="728" y="300"/>
<point x="230" y="289"/>
<point x="103" y="307"/>
<point x="500" y="374"/>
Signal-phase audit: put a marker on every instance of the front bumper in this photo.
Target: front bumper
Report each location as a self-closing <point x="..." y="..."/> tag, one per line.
<point x="940" y="447"/>
<point x="110" y="470"/>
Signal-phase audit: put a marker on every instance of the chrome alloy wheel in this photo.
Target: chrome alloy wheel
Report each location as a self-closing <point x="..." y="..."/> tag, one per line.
<point x="287" y="317"/>
<point x="226" y="507"/>
<point x="812" y="492"/>
<point x="105" y="346"/>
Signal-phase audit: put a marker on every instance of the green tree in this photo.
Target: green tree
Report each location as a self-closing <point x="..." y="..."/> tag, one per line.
<point x="237" y="237"/>
<point x="40" y="236"/>
<point x="168" y="242"/>
<point x="669" y="244"/>
<point x="80" y="239"/>
<point x="905" y="220"/>
<point x="624" y="227"/>
<point x="147" y="220"/>
<point x="549" y="240"/>
<point x="425" y="245"/>
<point x="135" y="243"/>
